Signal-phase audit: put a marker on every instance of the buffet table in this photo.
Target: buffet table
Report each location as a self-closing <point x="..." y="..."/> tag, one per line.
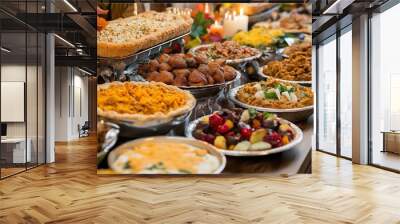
<point x="231" y="100"/>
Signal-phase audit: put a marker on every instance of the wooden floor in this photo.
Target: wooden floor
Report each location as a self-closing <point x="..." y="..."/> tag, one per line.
<point x="10" y="171"/>
<point x="387" y="159"/>
<point x="69" y="191"/>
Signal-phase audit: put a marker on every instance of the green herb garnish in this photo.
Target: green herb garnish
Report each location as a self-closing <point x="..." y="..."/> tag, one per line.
<point x="281" y="88"/>
<point x="127" y="165"/>
<point x="252" y="113"/>
<point x="158" y="166"/>
<point x="267" y="115"/>
<point x="271" y="95"/>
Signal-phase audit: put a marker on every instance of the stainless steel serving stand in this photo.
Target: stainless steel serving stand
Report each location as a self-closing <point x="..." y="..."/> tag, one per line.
<point x="263" y="15"/>
<point x="120" y="68"/>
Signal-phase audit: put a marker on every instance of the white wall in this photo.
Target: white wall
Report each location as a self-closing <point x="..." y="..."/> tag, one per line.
<point x="61" y="104"/>
<point x="71" y="94"/>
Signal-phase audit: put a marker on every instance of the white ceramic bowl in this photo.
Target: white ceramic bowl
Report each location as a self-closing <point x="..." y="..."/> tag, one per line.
<point x="292" y="114"/>
<point x="262" y="75"/>
<point x="229" y="61"/>
<point x="190" y="141"/>
<point x="297" y="139"/>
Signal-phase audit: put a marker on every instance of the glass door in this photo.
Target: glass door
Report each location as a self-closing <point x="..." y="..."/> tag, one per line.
<point x="326" y="102"/>
<point x="14" y="153"/>
<point x="22" y="77"/>
<point x="385" y="90"/>
<point x="346" y="92"/>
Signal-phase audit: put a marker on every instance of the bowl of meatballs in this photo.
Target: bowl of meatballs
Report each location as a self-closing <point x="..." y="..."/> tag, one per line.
<point x="193" y="73"/>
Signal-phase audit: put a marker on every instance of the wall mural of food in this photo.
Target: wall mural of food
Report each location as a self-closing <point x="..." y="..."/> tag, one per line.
<point x="204" y="88"/>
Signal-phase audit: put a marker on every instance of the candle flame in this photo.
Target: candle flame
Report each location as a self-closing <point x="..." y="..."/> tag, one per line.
<point x="135" y="9"/>
<point x="241" y="11"/>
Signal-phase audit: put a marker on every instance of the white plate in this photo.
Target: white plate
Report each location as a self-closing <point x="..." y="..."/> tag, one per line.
<point x="297" y="139"/>
<point x="261" y="74"/>
<point x="194" y="142"/>
<point x="232" y="97"/>
<point x="229" y="61"/>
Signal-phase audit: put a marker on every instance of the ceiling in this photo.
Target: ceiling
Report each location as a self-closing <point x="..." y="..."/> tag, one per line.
<point x="72" y="20"/>
<point x="331" y="15"/>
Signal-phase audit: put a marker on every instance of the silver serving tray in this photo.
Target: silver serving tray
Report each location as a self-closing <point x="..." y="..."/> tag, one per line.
<point x="129" y="129"/>
<point x="293" y="114"/>
<point x="141" y="55"/>
<point x="110" y="138"/>
<point x="263" y="76"/>
<point x="200" y="144"/>
<point x="298" y="138"/>
<point x="210" y="90"/>
<point x="203" y="91"/>
<point x="229" y="61"/>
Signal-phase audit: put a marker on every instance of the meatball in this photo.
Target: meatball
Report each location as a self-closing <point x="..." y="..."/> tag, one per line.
<point x="229" y="73"/>
<point x="203" y="68"/>
<point x="153" y="76"/>
<point x="201" y="59"/>
<point x="213" y="67"/>
<point x="163" y="58"/>
<point x="165" y="67"/>
<point x="190" y="61"/>
<point x="181" y="72"/>
<point x="153" y="65"/>
<point x="210" y="80"/>
<point x="218" y="76"/>
<point x="197" y="78"/>
<point x="180" y="81"/>
<point x="177" y="62"/>
<point x="166" y="77"/>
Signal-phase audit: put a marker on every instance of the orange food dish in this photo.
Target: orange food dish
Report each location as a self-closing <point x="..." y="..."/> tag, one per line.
<point x="165" y="157"/>
<point x="142" y="101"/>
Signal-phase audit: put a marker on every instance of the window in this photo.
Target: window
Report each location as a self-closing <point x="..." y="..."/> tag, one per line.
<point x="346" y="92"/>
<point x="385" y="89"/>
<point x="327" y="96"/>
<point x="22" y="77"/>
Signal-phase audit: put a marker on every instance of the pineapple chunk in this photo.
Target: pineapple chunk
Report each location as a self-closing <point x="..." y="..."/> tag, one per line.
<point x="260" y="146"/>
<point x="258" y="135"/>
<point x="220" y="142"/>
<point x="242" y="146"/>
<point x="245" y="116"/>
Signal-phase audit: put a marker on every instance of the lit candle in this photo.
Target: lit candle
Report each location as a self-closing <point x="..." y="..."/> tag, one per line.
<point x="242" y="21"/>
<point x="135" y="10"/>
<point x="229" y="25"/>
<point x="234" y="23"/>
<point x="206" y="9"/>
<point x="216" y="29"/>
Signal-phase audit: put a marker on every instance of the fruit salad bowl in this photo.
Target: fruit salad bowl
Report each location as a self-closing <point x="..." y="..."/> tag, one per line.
<point x="240" y="132"/>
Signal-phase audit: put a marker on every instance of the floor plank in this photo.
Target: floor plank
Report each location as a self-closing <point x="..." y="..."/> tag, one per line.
<point x="69" y="191"/>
